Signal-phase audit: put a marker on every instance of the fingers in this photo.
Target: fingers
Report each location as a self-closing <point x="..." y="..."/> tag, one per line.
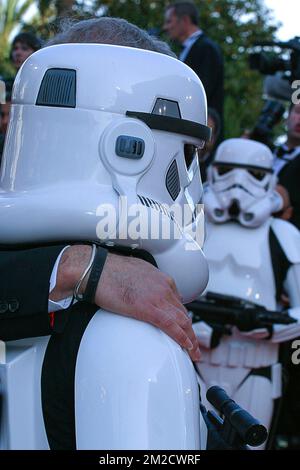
<point x="186" y="325"/>
<point x="173" y="286"/>
<point x="183" y="321"/>
<point x="174" y="300"/>
<point x="176" y="324"/>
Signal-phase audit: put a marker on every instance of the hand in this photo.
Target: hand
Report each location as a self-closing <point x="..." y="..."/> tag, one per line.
<point x="259" y="333"/>
<point x="286" y="212"/>
<point x="132" y="287"/>
<point x="285" y="300"/>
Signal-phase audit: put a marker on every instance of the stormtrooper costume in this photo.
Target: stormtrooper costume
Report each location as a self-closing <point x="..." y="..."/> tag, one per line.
<point x="252" y="256"/>
<point x="82" y="147"/>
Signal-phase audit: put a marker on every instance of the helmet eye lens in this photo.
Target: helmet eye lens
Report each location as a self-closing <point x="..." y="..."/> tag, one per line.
<point x="190" y="151"/>
<point x="222" y="169"/>
<point x="257" y="174"/>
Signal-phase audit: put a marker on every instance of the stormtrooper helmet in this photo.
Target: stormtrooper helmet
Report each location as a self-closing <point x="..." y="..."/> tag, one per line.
<point x="241" y="184"/>
<point x="97" y="129"/>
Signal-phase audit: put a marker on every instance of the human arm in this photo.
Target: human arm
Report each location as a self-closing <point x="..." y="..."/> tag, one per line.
<point x="131" y="287"/>
<point x="127" y="286"/>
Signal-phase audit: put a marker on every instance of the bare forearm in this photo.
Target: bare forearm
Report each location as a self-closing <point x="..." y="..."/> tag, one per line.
<point x="130" y="287"/>
<point x="72" y="264"/>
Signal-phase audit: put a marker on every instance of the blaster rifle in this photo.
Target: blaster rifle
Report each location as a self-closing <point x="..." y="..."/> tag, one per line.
<point x="219" y="309"/>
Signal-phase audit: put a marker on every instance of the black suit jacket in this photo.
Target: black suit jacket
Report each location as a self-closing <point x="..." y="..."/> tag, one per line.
<point x="289" y="178"/>
<point x="24" y="291"/>
<point x="205" y="58"/>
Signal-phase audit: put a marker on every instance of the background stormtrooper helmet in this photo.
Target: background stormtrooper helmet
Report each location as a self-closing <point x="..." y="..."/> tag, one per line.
<point x="242" y="184"/>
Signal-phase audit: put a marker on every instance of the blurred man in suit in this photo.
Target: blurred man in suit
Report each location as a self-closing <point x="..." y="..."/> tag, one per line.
<point x="287" y="162"/>
<point x="290" y="149"/>
<point x="198" y="51"/>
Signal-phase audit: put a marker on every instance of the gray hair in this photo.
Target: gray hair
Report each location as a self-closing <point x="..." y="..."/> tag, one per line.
<point x="106" y="30"/>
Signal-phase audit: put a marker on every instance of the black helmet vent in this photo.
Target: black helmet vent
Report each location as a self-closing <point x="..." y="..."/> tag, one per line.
<point x="58" y="88"/>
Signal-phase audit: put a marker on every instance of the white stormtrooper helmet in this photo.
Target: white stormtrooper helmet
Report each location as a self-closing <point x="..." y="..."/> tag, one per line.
<point x="241" y="184"/>
<point x="95" y="127"/>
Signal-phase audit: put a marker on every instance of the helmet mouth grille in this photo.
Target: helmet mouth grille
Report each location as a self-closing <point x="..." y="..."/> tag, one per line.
<point x="152" y="204"/>
<point x="146" y="201"/>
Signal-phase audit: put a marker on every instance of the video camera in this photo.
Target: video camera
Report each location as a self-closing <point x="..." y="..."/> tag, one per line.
<point x="270" y="63"/>
<point x="280" y="73"/>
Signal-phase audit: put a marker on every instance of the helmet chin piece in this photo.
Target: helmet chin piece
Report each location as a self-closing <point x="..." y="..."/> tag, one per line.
<point x="104" y="160"/>
<point x="261" y="211"/>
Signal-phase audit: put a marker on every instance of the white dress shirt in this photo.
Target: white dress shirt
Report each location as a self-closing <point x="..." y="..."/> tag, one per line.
<point x="280" y="162"/>
<point x="188" y="43"/>
<point x="61" y="304"/>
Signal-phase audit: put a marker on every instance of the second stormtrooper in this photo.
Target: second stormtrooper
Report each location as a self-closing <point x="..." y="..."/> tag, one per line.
<point x="254" y="257"/>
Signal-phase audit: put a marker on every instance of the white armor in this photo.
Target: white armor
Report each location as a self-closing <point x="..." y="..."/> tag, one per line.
<point x="64" y="156"/>
<point x="240" y="265"/>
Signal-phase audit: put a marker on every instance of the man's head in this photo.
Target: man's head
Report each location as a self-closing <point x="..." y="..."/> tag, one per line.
<point x="181" y="20"/>
<point x="23" y="45"/>
<point x="293" y="125"/>
<point x="105" y="30"/>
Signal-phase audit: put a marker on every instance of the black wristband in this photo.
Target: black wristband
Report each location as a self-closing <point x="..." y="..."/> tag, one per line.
<point x="96" y="271"/>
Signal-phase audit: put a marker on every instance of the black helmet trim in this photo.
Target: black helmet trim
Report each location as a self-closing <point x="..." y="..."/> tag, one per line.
<point x="171" y="124"/>
<point x="243" y="166"/>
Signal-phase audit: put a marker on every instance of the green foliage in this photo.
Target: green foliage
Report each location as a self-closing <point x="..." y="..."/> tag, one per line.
<point x="50" y="13"/>
<point x="146" y="14"/>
